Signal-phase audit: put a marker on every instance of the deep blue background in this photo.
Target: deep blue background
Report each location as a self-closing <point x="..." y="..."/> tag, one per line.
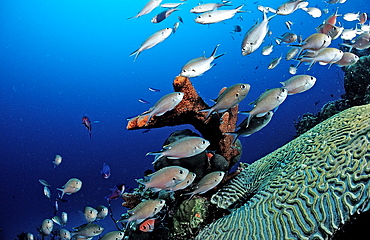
<point x="61" y="60"/>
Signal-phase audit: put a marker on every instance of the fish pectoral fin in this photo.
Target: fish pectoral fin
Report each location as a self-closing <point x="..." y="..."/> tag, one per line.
<point x="173" y="157"/>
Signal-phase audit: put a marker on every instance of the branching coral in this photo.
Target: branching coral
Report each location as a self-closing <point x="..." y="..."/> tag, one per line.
<point x="188" y="112"/>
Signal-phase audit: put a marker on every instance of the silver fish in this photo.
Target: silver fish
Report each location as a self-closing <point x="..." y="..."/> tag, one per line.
<point x="325" y="56"/>
<point x="292" y="53"/>
<point x="290" y="6"/>
<point x="184" y="184"/>
<point x="208" y="182"/>
<point x="45" y="183"/>
<point x="64" y="234"/>
<point x="102" y="212"/>
<point x="314" y="42"/>
<point x="255" y="124"/>
<point x="275" y="62"/>
<point x="267" y="50"/>
<point x="255" y="35"/>
<point x="88" y="230"/>
<point x="175" y="26"/>
<point x="360" y="43"/>
<point x="299" y="83"/>
<point x="114" y="235"/>
<point x="47" y="192"/>
<point x="182" y="148"/>
<point x="64" y="218"/>
<point x="147" y="8"/>
<point x="229" y="98"/>
<point x="312" y="11"/>
<point x="198" y="66"/>
<point x="90" y="214"/>
<point x="208" y="7"/>
<point x="145" y="210"/>
<point x="153" y="40"/>
<point x="57" y="220"/>
<point x="268" y="100"/>
<point x="171" y="5"/>
<point x="72" y="186"/>
<point x="163" y="105"/>
<point x="57" y="160"/>
<point x="216" y="16"/>
<point x="165" y="178"/>
<point x="347" y="59"/>
<point x="47" y="226"/>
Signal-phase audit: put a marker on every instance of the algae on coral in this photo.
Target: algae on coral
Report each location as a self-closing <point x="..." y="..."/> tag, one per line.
<point x="306" y="189"/>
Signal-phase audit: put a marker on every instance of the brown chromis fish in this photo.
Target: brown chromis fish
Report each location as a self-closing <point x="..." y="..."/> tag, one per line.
<point x="165" y="178"/>
<point x="229" y="98"/>
<point x="163" y="105"/>
<point x="208" y="182"/>
<point x="182" y="148"/>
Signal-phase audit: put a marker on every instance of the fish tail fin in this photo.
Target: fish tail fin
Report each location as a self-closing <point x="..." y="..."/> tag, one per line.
<point x="214" y="50"/>
<point x="240" y="7"/>
<point x="209" y="112"/>
<point x="347" y="45"/>
<point x="234" y="135"/>
<point x="61" y="196"/>
<point x="249" y="117"/>
<point x="154" y="153"/>
<point x="220" y="55"/>
<point x="136" y="53"/>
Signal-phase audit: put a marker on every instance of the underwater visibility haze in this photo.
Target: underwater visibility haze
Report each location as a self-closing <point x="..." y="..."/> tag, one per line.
<point x="62" y="60"/>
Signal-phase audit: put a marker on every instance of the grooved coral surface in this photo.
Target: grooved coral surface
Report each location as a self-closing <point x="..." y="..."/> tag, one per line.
<point x="306" y="189"/>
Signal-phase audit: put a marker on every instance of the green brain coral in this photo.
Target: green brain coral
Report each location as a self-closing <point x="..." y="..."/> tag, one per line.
<point x="306" y="189"/>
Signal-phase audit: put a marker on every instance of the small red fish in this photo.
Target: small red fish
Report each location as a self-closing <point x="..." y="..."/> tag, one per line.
<point x="148" y="225"/>
<point x="87" y="123"/>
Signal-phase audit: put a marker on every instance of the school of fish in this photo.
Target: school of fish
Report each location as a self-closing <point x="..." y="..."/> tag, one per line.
<point x="310" y="48"/>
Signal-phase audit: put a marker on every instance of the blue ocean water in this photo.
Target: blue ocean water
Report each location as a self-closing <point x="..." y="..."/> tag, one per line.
<point x="62" y="60"/>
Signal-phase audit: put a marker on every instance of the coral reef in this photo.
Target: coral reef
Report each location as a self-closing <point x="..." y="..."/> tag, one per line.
<point x="187" y="112"/>
<point x="307" y="189"/>
<point x="357" y="92"/>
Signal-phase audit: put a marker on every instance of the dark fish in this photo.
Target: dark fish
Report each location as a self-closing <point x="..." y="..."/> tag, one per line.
<point x="143" y="101"/>
<point x="87" y="123"/>
<point x="105" y="172"/>
<point x="237" y="28"/>
<point x="115" y="192"/>
<point x="154" y="89"/>
<point x="180" y="19"/>
<point x="148" y="172"/>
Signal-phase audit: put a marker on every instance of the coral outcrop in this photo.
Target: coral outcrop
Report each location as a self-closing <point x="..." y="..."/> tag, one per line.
<point x="188" y="112"/>
<point x="357" y="92"/>
<point x="307" y="189"/>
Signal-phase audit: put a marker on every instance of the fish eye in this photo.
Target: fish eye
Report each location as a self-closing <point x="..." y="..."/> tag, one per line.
<point x="220" y="174"/>
<point x="144" y="227"/>
<point x="209" y="15"/>
<point x="204" y="142"/>
<point x="242" y="86"/>
<point x="181" y="172"/>
<point x="198" y="16"/>
<point x="184" y="70"/>
<point x="237" y="95"/>
<point x="155" y="209"/>
<point x="174" y="179"/>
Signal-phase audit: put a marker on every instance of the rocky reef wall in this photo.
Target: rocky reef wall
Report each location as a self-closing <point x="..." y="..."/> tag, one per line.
<point x="357" y="92"/>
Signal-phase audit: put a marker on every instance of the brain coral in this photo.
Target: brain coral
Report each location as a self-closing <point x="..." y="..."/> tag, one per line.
<point x="306" y="189"/>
